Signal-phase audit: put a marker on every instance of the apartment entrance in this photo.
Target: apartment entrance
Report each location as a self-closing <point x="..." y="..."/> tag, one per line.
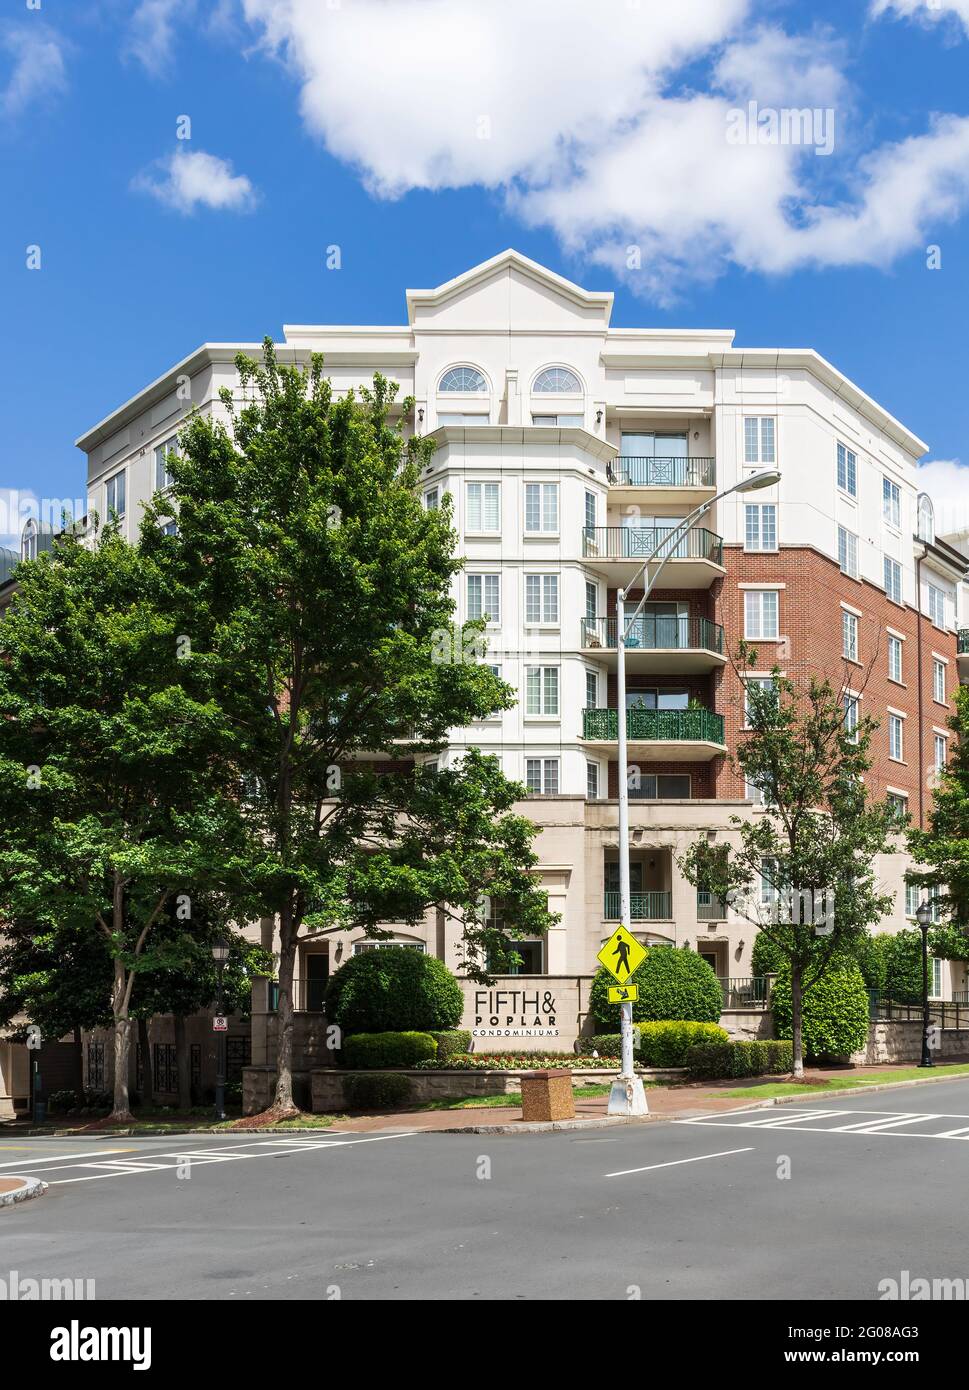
<point x="650" y="886"/>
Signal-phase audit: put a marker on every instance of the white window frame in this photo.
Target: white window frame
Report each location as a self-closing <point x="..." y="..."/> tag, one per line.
<point x="892" y="571"/>
<point x="896" y="745"/>
<point x="938" y="681"/>
<point x="546" y="493"/>
<point x="848" y="552"/>
<point x="852" y="708"/>
<point x="940" y="751"/>
<point x="548" y="772"/>
<point x="483" y="490"/>
<point x="849" y="635"/>
<point x="935" y="602"/>
<point x="895" y="669"/>
<point x="757" y="611"/>
<point x="117" y="481"/>
<point x="760" y="443"/>
<point x="891" y="503"/>
<point x="549" y="607"/>
<point x="847" y="470"/>
<point x="432" y="499"/>
<point x="483" y="580"/>
<point x="482" y="390"/>
<point x="592" y="780"/>
<point x="760" y="536"/>
<point x="548" y="690"/>
<point x="591" y="679"/>
<point x="163" y="479"/>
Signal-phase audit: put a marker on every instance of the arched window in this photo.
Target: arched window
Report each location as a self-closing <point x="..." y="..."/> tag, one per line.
<point x="926" y="518"/>
<point x="28" y="541"/>
<point x="466" y="379"/>
<point x="558" y="381"/>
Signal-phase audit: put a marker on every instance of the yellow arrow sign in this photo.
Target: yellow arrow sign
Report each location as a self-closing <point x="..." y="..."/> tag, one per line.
<point x="621" y="994"/>
<point x="622" y="955"/>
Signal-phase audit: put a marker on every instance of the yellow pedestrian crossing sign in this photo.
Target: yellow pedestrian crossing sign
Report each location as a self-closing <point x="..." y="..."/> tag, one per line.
<point x="622" y="955"/>
<point x="623" y="994"/>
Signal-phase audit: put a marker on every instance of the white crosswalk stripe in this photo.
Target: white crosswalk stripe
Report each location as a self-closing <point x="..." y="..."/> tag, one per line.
<point x="883" y="1124"/>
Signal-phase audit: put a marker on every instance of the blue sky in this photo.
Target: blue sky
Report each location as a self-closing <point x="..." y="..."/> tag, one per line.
<point x="422" y="136"/>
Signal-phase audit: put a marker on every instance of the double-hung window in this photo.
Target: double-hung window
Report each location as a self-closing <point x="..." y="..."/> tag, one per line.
<point x="592" y="781"/>
<point x="483" y="507"/>
<point x="940" y="752"/>
<point x="484" y="597"/>
<point x="848" y="552"/>
<point x="894" y="658"/>
<point x="760" y="531"/>
<point x="896" y="737"/>
<point x="849" y="636"/>
<point x="541" y="508"/>
<point x="891" y="503"/>
<point x="542" y="690"/>
<point x="759" y="442"/>
<point x="163" y="479"/>
<point x="590" y="509"/>
<point x="936" y="602"/>
<point x="114" y="494"/>
<point x="893" y="579"/>
<point x="847" y="470"/>
<point x="542" y="776"/>
<point x="938" y="681"/>
<point x="851" y="715"/>
<point x="761" y="613"/>
<point x="541" y="598"/>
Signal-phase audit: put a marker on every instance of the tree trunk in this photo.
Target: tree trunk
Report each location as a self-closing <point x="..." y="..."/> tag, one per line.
<point x="184" y="1063"/>
<point x="283" y="1101"/>
<point x="122" y="1045"/>
<point x="796" y="1007"/>
<point x="77" y="1067"/>
<point x="147" y="1076"/>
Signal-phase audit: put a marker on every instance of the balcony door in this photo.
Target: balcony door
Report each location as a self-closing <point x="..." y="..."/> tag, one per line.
<point x="664" y="452"/>
<point x="659" y="625"/>
<point x="657" y="699"/>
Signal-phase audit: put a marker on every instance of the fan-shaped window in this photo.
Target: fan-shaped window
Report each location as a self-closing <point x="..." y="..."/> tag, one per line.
<point x="926" y="518"/>
<point x="466" y="379"/>
<point x="558" y="381"/>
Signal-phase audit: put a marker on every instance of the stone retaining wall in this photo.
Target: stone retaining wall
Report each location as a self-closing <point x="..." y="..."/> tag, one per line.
<point x="892" y="1041"/>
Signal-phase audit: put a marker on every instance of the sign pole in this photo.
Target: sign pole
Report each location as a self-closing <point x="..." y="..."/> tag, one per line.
<point x="627" y="1096"/>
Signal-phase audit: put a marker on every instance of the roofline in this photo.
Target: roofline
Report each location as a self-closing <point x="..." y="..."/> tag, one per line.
<point x="601" y="298"/>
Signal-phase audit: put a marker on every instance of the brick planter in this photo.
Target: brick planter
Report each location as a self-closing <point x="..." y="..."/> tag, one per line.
<point x="547" y="1095"/>
<point x="326" y="1083"/>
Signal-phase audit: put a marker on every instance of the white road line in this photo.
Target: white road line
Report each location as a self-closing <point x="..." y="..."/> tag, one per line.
<point x="60" y="1158"/>
<point x="786" y="1121"/>
<point x="725" y="1153"/>
<point x="870" y="1126"/>
<point x="962" y="1133"/>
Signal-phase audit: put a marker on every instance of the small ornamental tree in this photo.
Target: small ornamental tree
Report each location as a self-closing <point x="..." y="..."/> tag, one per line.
<point x="836" y="1013"/>
<point x="393" y="989"/>
<point x="944" y="847"/>
<point x="802" y="869"/>
<point x="674" y="984"/>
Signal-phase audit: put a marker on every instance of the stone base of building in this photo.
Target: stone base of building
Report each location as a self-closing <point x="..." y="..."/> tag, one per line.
<point x="259" y="1087"/>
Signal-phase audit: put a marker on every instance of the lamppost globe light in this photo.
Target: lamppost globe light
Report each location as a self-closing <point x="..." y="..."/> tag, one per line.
<point x="220" y="950"/>
<point x="923" y="914"/>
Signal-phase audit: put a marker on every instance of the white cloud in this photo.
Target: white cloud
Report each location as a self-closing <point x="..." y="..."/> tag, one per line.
<point x="151" y="33"/>
<point x="947" y="483"/>
<point x="923" y="10"/>
<point x="190" y="179"/>
<point x="38" y="72"/>
<point x="609" y="134"/>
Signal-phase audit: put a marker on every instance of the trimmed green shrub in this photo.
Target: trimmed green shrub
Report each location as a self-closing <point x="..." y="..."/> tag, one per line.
<point x="673" y="984"/>
<point x="872" y="960"/>
<point x="606" y="1044"/>
<point x="378" y="1091"/>
<point x="393" y="989"/>
<point x="366" y="1050"/>
<point x="766" y="957"/>
<point x="665" y="1044"/>
<point x="903" y="966"/>
<point x="835" y="1012"/>
<point x="452" y="1042"/>
<point x="718" y="1060"/>
<point x="521" y="1061"/>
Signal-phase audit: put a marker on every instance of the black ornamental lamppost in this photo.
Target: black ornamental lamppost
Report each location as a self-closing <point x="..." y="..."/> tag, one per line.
<point x="220" y="954"/>
<point x="923" y="915"/>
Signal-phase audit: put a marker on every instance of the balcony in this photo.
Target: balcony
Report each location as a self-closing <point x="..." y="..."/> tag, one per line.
<point x="666" y="643"/>
<point x="659" y="735"/>
<point x="686" y="480"/>
<point x="963" y="641"/>
<point x="617" y="552"/>
<point x="643" y="907"/>
<point x="745" y="992"/>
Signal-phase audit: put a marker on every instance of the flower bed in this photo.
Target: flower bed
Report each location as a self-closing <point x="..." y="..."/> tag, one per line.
<point x="518" y="1061"/>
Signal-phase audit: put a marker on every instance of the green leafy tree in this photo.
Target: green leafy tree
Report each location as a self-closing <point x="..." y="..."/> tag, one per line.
<point x="317" y="590"/>
<point x="835" y="1019"/>
<point x="109" y="808"/>
<point x="944" y="847"/>
<point x="802" y="870"/>
<point x="57" y="979"/>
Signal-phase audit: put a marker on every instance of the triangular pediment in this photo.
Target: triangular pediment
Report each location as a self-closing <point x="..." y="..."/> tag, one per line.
<point x="509" y="291"/>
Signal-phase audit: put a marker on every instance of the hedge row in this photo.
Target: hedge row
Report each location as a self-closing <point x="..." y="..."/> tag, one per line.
<point x="380" y="1090"/>
<point x="363" y="1051"/>
<point x="520" y="1061"/>
<point x="663" y="1043"/>
<point x="712" y="1061"/>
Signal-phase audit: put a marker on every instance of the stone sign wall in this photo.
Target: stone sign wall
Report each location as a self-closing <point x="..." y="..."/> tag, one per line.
<point x="527" y="1013"/>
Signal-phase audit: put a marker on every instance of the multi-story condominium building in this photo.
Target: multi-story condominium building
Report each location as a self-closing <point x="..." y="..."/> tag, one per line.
<point x="568" y="447"/>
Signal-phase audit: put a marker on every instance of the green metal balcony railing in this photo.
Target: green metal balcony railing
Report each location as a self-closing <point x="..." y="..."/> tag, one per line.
<point x="632" y="471"/>
<point x="639" y="543"/>
<point x="744" y="991"/>
<point x="963" y="640"/>
<point x="643" y="907"/>
<point x="656" y="632"/>
<point x="654" y="725"/>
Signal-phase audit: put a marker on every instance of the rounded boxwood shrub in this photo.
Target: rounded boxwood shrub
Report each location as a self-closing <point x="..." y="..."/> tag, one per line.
<point x="378" y="1091"/>
<point x="387" y="1049"/>
<point x="393" y="989"/>
<point x="902" y="953"/>
<point x="452" y="1043"/>
<point x="835" y="1011"/>
<point x="605" y="1044"/>
<point x="673" y="984"/>
<point x="665" y="1044"/>
<point x="766" y="957"/>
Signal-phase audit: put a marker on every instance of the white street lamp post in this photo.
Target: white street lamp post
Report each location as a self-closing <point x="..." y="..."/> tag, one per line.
<point x="627" y="1096"/>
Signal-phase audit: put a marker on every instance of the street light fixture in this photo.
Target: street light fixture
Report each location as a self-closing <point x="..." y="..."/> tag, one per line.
<point x="627" y="1096"/>
<point x="220" y="954"/>
<point x="923" y="915"/>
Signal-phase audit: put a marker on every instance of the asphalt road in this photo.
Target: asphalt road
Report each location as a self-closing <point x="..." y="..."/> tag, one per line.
<point x="816" y="1200"/>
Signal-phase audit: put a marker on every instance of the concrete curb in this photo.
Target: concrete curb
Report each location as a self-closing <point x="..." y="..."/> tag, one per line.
<point x="32" y="1187"/>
